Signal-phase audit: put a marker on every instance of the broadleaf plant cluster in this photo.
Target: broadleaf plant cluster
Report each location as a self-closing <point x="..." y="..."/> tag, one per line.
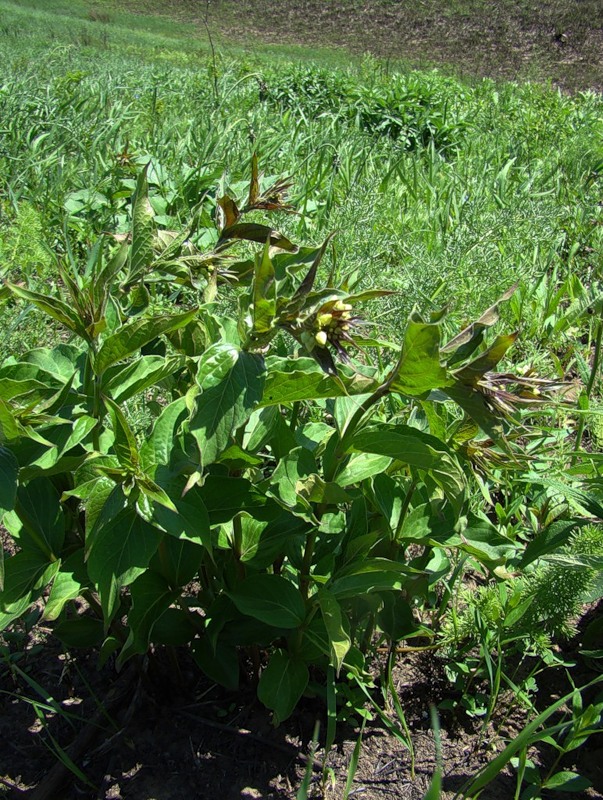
<point x="220" y="453"/>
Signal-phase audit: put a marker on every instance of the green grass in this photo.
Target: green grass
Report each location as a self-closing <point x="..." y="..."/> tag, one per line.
<point x="504" y="186"/>
<point x="444" y="191"/>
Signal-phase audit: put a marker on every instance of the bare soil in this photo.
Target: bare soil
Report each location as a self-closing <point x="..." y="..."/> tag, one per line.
<point x="556" y="41"/>
<point x="159" y="730"/>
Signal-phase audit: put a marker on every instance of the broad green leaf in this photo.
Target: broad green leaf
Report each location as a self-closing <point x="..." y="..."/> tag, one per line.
<point x="174" y="627"/>
<point x="271" y="599"/>
<point x="339" y="637"/>
<point x="22" y="574"/>
<point x="263" y="293"/>
<point x="215" y="364"/>
<point x="12" y="611"/>
<point x="121" y="550"/>
<point x="484" y="542"/>
<point x="124" y="444"/>
<point x="415" y="448"/>
<point x="23" y="392"/>
<point x="225" y="497"/>
<point x="431" y="524"/>
<point x="389" y="497"/>
<point x="62" y="437"/>
<point x="567" y="782"/>
<point x="263" y="541"/>
<point x="97" y="498"/>
<point x="151" y="596"/>
<point x="254" y="232"/>
<point x="220" y="664"/>
<point x="53" y="307"/>
<point x="190" y="522"/>
<point x="61" y="361"/>
<point x="177" y="560"/>
<point x="223" y="408"/>
<point x="370" y="575"/>
<point x="41" y="517"/>
<point x="132" y="336"/>
<point x="474" y="405"/>
<point x="286" y="478"/>
<point x="471" y="373"/>
<point x="315" y="490"/>
<point x="120" y="383"/>
<point x="157" y="448"/>
<point x="141" y="252"/>
<point x="282" y="684"/>
<point x="152" y="491"/>
<point x="289" y="381"/>
<point x="236" y="458"/>
<point x="9" y="473"/>
<point x="419" y="371"/>
<point x="80" y="631"/>
<point x="67" y="585"/>
<point x="549" y="540"/>
<point x="10" y="427"/>
<point x="395" y="618"/>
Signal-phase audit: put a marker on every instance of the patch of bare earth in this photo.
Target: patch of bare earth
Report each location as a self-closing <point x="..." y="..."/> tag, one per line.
<point x="160" y="730"/>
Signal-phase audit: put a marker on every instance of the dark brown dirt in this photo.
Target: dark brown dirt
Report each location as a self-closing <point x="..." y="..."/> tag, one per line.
<point x="557" y="41"/>
<point x="174" y="736"/>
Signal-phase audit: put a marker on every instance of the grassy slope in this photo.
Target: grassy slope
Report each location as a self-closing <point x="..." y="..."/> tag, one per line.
<point x="518" y="197"/>
<point x="557" y="40"/>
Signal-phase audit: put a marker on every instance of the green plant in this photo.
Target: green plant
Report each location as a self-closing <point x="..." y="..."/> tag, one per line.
<point x="571" y="732"/>
<point x="244" y="519"/>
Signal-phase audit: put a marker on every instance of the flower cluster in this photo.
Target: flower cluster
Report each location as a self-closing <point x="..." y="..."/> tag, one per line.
<point x="331" y="324"/>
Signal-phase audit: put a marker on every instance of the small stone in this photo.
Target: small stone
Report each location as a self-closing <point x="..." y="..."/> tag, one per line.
<point x="249" y="793"/>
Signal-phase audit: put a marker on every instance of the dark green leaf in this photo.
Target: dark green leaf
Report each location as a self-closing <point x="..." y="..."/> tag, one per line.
<point x="23" y="573"/>
<point x="263" y="293"/>
<point x="151" y="596"/>
<point x="158" y="446"/>
<point x="80" y="632"/>
<point x="223" y="408"/>
<point x="123" y="382"/>
<point x="370" y="575"/>
<point x="124" y="444"/>
<point x="177" y="560"/>
<point x="282" y="684"/>
<point x="271" y="599"/>
<point x="220" y="664"/>
<point x="419" y="371"/>
<point x="253" y="232"/>
<point x="9" y="472"/>
<point x="41" y="517"/>
<point x="567" y="782"/>
<point x="415" y="448"/>
<point x="471" y="373"/>
<point x="483" y="541"/>
<point x="190" y="521"/>
<point x="57" y="309"/>
<point x="141" y="253"/>
<point x="339" y="637"/>
<point x="131" y="337"/>
<point x="121" y="550"/>
<point x="67" y="585"/>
